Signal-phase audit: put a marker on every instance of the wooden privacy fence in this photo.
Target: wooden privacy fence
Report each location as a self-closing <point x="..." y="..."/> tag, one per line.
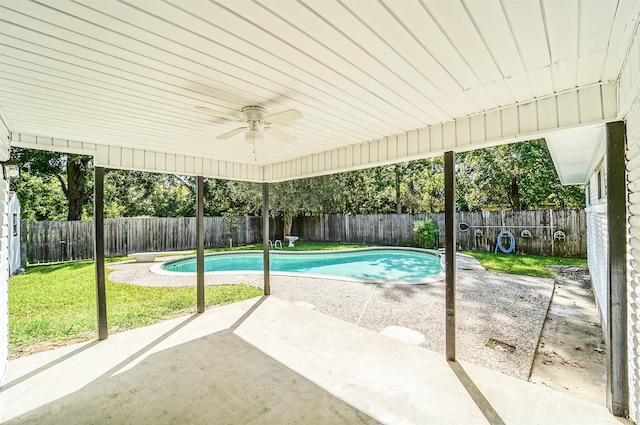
<point x="52" y="241"/>
<point x="484" y="227"/>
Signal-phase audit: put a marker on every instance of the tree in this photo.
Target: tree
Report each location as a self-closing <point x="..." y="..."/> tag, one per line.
<point x="429" y="186"/>
<point x="294" y="197"/>
<point x="41" y="198"/>
<point x="72" y="171"/>
<point x="517" y="176"/>
<point x="140" y="193"/>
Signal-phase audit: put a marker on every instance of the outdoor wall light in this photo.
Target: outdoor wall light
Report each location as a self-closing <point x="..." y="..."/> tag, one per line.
<point x="11" y="170"/>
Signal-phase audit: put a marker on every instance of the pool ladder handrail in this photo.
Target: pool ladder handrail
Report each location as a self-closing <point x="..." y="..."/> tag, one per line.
<point x="277" y="244"/>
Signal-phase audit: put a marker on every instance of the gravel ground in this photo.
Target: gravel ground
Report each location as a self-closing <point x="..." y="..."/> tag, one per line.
<point x="509" y="309"/>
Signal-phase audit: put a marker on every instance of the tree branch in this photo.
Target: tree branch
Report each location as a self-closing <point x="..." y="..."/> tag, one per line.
<point x="186" y="183"/>
<point x="86" y="195"/>
<point x="65" y="190"/>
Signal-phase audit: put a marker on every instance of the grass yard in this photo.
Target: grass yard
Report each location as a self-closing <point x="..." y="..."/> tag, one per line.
<point x="58" y="302"/>
<point x="530" y="265"/>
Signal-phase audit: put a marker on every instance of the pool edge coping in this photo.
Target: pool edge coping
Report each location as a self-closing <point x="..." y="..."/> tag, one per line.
<point x="157" y="266"/>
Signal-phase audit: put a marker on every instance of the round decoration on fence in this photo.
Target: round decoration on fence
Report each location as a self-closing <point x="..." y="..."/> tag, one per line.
<point x="559" y="235"/>
<point x="525" y="234"/>
<point x="463" y="227"/>
<point x="512" y="242"/>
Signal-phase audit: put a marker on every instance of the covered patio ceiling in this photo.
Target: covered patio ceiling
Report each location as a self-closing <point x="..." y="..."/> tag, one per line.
<point x="377" y="82"/>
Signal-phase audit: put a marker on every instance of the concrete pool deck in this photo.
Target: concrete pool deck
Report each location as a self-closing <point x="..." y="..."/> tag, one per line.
<point x="506" y="308"/>
<point x="269" y="361"/>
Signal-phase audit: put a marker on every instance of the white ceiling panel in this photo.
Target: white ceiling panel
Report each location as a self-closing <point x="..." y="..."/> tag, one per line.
<point x="564" y="72"/>
<point x="466" y="38"/>
<point x="528" y="26"/>
<point x="621" y="30"/>
<point x="596" y="25"/>
<point x="541" y="81"/>
<point x="562" y="20"/>
<point x="441" y="62"/>
<point x="490" y="20"/>
<point x="130" y="74"/>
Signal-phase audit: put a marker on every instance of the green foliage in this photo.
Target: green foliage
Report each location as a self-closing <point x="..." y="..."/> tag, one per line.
<point x="41" y="198"/>
<point x="57" y="302"/>
<point x="72" y="172"/>
<point x="516" y="176"/>
<point x="296" y="197"/>
<point x="530" y="265"/>
<point x="426" y="233"/>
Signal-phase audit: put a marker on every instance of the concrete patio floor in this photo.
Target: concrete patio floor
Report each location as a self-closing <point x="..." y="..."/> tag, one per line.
<point x="269" y="361"/>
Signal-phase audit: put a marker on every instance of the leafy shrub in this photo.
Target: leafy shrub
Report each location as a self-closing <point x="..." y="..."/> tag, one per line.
<point x="426" y="233"/>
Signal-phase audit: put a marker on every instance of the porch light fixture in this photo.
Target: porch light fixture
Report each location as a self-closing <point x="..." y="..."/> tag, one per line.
<point x="254" y="134"/>
<point x="11" y="170"/>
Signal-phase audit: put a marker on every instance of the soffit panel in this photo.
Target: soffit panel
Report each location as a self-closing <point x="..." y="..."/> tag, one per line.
<point x="130" y="74"/>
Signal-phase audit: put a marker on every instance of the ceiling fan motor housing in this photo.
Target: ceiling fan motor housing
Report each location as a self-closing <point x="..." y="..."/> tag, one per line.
<point x="254" y="113"/>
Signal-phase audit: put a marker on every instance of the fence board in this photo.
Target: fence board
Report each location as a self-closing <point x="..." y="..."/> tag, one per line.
<point x="51" y="241"/>
<point x="397" y="230"/>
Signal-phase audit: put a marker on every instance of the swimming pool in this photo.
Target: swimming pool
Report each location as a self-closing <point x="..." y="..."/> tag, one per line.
<point x="369" y="264"/>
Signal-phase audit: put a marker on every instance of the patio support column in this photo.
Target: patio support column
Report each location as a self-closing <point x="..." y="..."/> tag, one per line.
<point x="98" y="251"/>
<point x="265" y="237"/>
<point x="450" y="253"/>
<point x="617" y="372"/>
<point x="200" y="243"/>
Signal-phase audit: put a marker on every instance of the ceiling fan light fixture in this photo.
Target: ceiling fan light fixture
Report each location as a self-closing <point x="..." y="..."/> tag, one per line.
<point x="257" y="123"/>
<point x="254" y="135"/>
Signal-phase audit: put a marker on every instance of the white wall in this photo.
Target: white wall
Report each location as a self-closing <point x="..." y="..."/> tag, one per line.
<point x="629" y="94"/>
<point x="14" y="234"/>
<point x="633" y="322"/>
<point x="4" y="277"/>
<point x="4" y="255"/>
<point x="597" y="239"/>
<point x="597" y="245"/>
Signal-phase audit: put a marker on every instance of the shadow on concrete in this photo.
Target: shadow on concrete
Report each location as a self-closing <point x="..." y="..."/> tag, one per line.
<point x="49" y="365"/>
<point x="478" y="398"/>
<point x="248" y="313"/>
<point x="149" y="346"/>
<point x="218" y="378"/>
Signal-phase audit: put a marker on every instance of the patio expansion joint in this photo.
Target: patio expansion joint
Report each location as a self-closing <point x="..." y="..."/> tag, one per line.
<point x="366" y="304"/>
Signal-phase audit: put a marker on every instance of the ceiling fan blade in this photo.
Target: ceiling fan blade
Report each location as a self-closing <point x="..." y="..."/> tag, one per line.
<point x="230" y="134"/>
<point x="218" y="114"/>
<point x="281" y="135"/>
<point x="283" y="116"/>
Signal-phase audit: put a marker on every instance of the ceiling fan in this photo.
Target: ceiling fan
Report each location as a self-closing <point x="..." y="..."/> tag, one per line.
<point x="258" y="123"/>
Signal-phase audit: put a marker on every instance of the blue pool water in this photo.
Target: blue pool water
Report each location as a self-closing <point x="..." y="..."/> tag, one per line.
<point x="381" y="264"/>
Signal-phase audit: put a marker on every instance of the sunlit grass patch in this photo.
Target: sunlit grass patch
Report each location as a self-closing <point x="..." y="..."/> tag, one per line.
<point x="58" y="302"/>
<point x="522" y="264"/>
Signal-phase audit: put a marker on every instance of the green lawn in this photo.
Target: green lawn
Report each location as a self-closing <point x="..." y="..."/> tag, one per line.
<point x="58" y="302"/>
<point x="530" y="265"/>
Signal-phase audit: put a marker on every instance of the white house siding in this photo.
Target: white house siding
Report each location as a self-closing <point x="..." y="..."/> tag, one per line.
<point x="597" y="226"/>
<point x="4" y="254"/>
<point x="633" y="169"/>
<point x="14" y="233"/>
<point x="4" y="277"/>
